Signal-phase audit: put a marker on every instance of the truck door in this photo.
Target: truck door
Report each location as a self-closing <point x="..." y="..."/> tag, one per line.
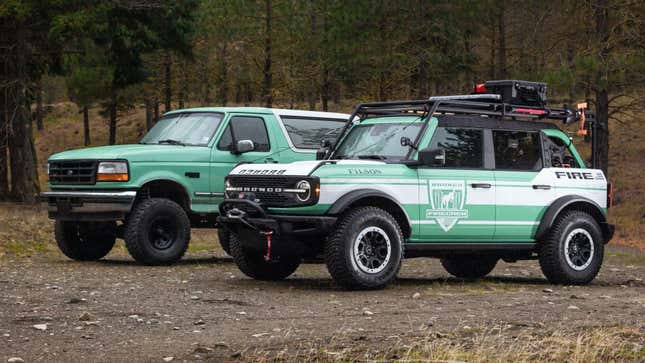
<point x="523" y="192"/>
<point x="224" y="155"/>
<point x="457" y="200"/>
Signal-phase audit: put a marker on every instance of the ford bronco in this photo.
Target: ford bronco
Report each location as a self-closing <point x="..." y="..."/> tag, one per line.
<point x="467" y="179"/>
<point x="151" y="193"/>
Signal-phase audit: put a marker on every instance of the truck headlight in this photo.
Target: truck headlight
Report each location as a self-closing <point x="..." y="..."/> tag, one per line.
<point x="113" y="171"/>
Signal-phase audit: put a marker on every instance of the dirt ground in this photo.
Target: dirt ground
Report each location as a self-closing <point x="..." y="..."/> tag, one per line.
<point x="205" y="309"/>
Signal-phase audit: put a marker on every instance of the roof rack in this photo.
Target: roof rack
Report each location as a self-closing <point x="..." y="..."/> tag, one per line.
<point x="482" y="104"/>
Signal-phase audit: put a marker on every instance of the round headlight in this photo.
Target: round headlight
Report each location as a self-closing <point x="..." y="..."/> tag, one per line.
<point x="303" y="195"/>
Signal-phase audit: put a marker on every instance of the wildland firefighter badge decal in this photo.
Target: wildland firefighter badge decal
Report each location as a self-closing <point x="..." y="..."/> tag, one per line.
<point x="447" y="199"/>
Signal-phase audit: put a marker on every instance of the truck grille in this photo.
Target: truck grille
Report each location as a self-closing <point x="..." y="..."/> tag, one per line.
<point x="72" y="172"/>
<point x="267" y="189"/>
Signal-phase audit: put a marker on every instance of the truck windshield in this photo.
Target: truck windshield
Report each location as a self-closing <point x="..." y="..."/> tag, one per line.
<point x="194" y="128"/>
<point x="378" y="141"/>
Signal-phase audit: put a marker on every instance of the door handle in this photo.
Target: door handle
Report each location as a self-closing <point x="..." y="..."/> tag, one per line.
<point x="541" y="187"/>
<point x="480" y="185"/>
<point x="270" y="160"/>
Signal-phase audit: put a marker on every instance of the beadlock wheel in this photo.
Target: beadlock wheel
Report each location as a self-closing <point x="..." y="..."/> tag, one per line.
<point x="372" y="250"/>
<point x="579" y="249"/>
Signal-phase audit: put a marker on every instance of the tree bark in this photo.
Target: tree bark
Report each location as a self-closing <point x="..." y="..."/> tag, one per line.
<point x="168" y="82"/>
<point x="113" y="108"/>
<point x="24" y="176"/>
<point x="601" y="15"/>
<point x="223" y="74"/>
<point x="501" y="53"/>
<point x="156" y="107"/>
<point x="149" y="114"/>
<point x="39" y="105"/>
<point x="267" y="84"/>
<point x="4" y="127"/>
<point x="86" y="125"/>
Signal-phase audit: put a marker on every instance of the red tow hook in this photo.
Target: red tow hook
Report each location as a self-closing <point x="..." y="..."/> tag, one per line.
<point x="267" y="257"/>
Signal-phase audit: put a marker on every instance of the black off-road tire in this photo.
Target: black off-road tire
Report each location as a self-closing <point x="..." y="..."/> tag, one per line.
<point x="345" y="265"/>
<point x="157" y="232"/>
<point x="85" y="241"/>
<point x="553" y="260"/>
<point x="469" y="267"/>
<point x="224" y="237"/>
<point x="253" y="265"/>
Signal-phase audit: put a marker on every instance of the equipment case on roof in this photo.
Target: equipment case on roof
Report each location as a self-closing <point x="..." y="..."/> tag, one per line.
<point x="519" y="92"/>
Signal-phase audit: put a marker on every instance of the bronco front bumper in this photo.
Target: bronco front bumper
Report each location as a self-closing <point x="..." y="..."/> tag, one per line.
<point x="88" y="205"/>
<point x="251" y="223"/>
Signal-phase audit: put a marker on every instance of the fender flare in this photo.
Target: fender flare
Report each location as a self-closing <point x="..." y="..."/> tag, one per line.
<point x="354" y="196"/>
<point x="560" y="204"/>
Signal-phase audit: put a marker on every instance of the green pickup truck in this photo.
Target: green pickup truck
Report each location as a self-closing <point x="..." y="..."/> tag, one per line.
<point x="152" y="193"/>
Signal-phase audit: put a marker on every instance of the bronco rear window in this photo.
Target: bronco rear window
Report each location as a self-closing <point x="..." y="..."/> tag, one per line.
<point x="307" y="133"/>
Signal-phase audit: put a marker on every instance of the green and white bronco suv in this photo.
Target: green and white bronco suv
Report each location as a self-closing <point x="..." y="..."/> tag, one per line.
<point x="459" y="178"/>
<point x="152" y="193"/>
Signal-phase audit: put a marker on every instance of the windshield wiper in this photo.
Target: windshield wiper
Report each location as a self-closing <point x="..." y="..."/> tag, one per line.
<point x="171" y="142"/>
<point x="373" y="157"/>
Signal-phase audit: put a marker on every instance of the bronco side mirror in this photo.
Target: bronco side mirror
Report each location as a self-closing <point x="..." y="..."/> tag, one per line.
<point x="244" y="146"/>
<point x="324" y="150"/>
<point x="432" y="157"/>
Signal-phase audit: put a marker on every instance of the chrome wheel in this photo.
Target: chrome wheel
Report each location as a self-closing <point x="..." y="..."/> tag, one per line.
<point x="372" y="250"/>
<point x="579" y="249"/>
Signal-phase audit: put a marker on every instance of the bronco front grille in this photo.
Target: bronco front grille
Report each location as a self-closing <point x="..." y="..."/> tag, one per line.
<point x="72" y="172"/>
<point x="270" y="191"/>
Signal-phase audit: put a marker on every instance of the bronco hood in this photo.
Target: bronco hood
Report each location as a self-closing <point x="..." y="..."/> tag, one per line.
<point x="295" y="168"/>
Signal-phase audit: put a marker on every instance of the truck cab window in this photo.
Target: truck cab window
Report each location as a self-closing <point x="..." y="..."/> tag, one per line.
<point x="245" y="128"/>
<point x="464" y="147"/>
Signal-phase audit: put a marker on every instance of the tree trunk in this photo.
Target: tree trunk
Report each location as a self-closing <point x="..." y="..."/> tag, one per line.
<point x="113" y="107"/>
<point x="267" y="84"/>
<point x="182" y="86"/>
<point x="39" y="104"/>
<point x="149" y="114"/>
<point x="601" y="15"/>
<point x="223" y="74"/>
<point x="501" y="54"/>
<point x="168" y="82"/>
<point x="24" y="176"/>
<point x="4" y="127"/>
<point x="206" y="95"/>
<point x="86" y="125"/>
<point x="156" y="104"/>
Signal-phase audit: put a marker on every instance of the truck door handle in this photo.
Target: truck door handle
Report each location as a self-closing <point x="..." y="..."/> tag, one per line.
<point x="480" y="185"/>
<point x="271" y="160"/>
<point x="541" y="187"/>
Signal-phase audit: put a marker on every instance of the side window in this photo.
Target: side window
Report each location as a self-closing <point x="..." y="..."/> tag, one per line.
<point x="307" y="133"/>
<point x="517" y="150"/>
<point x="558" y="155"/>
<point x="245" y="128"/>
<point x="464" y="147"/>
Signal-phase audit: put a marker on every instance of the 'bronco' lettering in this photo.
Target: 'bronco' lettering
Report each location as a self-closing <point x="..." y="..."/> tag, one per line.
<point x="262" y="172"/>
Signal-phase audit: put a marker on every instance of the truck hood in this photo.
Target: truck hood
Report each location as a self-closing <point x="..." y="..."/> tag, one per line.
<point x="295" y="168"/>
<point x="136" y="153"/>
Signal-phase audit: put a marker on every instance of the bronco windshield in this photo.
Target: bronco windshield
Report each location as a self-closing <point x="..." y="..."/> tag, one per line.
<point x="378" y="141"/>
<point x="190" y="128"/>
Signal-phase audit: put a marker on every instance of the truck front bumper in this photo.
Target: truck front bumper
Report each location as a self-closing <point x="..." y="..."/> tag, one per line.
<point x="289" y="233"/>
<point x="88" y="205"/>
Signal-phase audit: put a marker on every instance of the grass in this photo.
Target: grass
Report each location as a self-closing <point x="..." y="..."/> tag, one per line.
<point x="493" y="344"/>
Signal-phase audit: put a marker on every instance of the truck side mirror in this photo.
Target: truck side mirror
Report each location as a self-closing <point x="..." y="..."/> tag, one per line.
<point x="432" y="157"/>
<point x="244" y="146"/>
<point x="405" y="141"/>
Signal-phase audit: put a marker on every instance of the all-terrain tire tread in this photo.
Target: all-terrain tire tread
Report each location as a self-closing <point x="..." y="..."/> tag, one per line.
<point x="335" y="248"/>
<point x="549" y="250"/>
<point x="131" y="235"/>
<point x="101" y="244"/>
<point x="261" y="271"/>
